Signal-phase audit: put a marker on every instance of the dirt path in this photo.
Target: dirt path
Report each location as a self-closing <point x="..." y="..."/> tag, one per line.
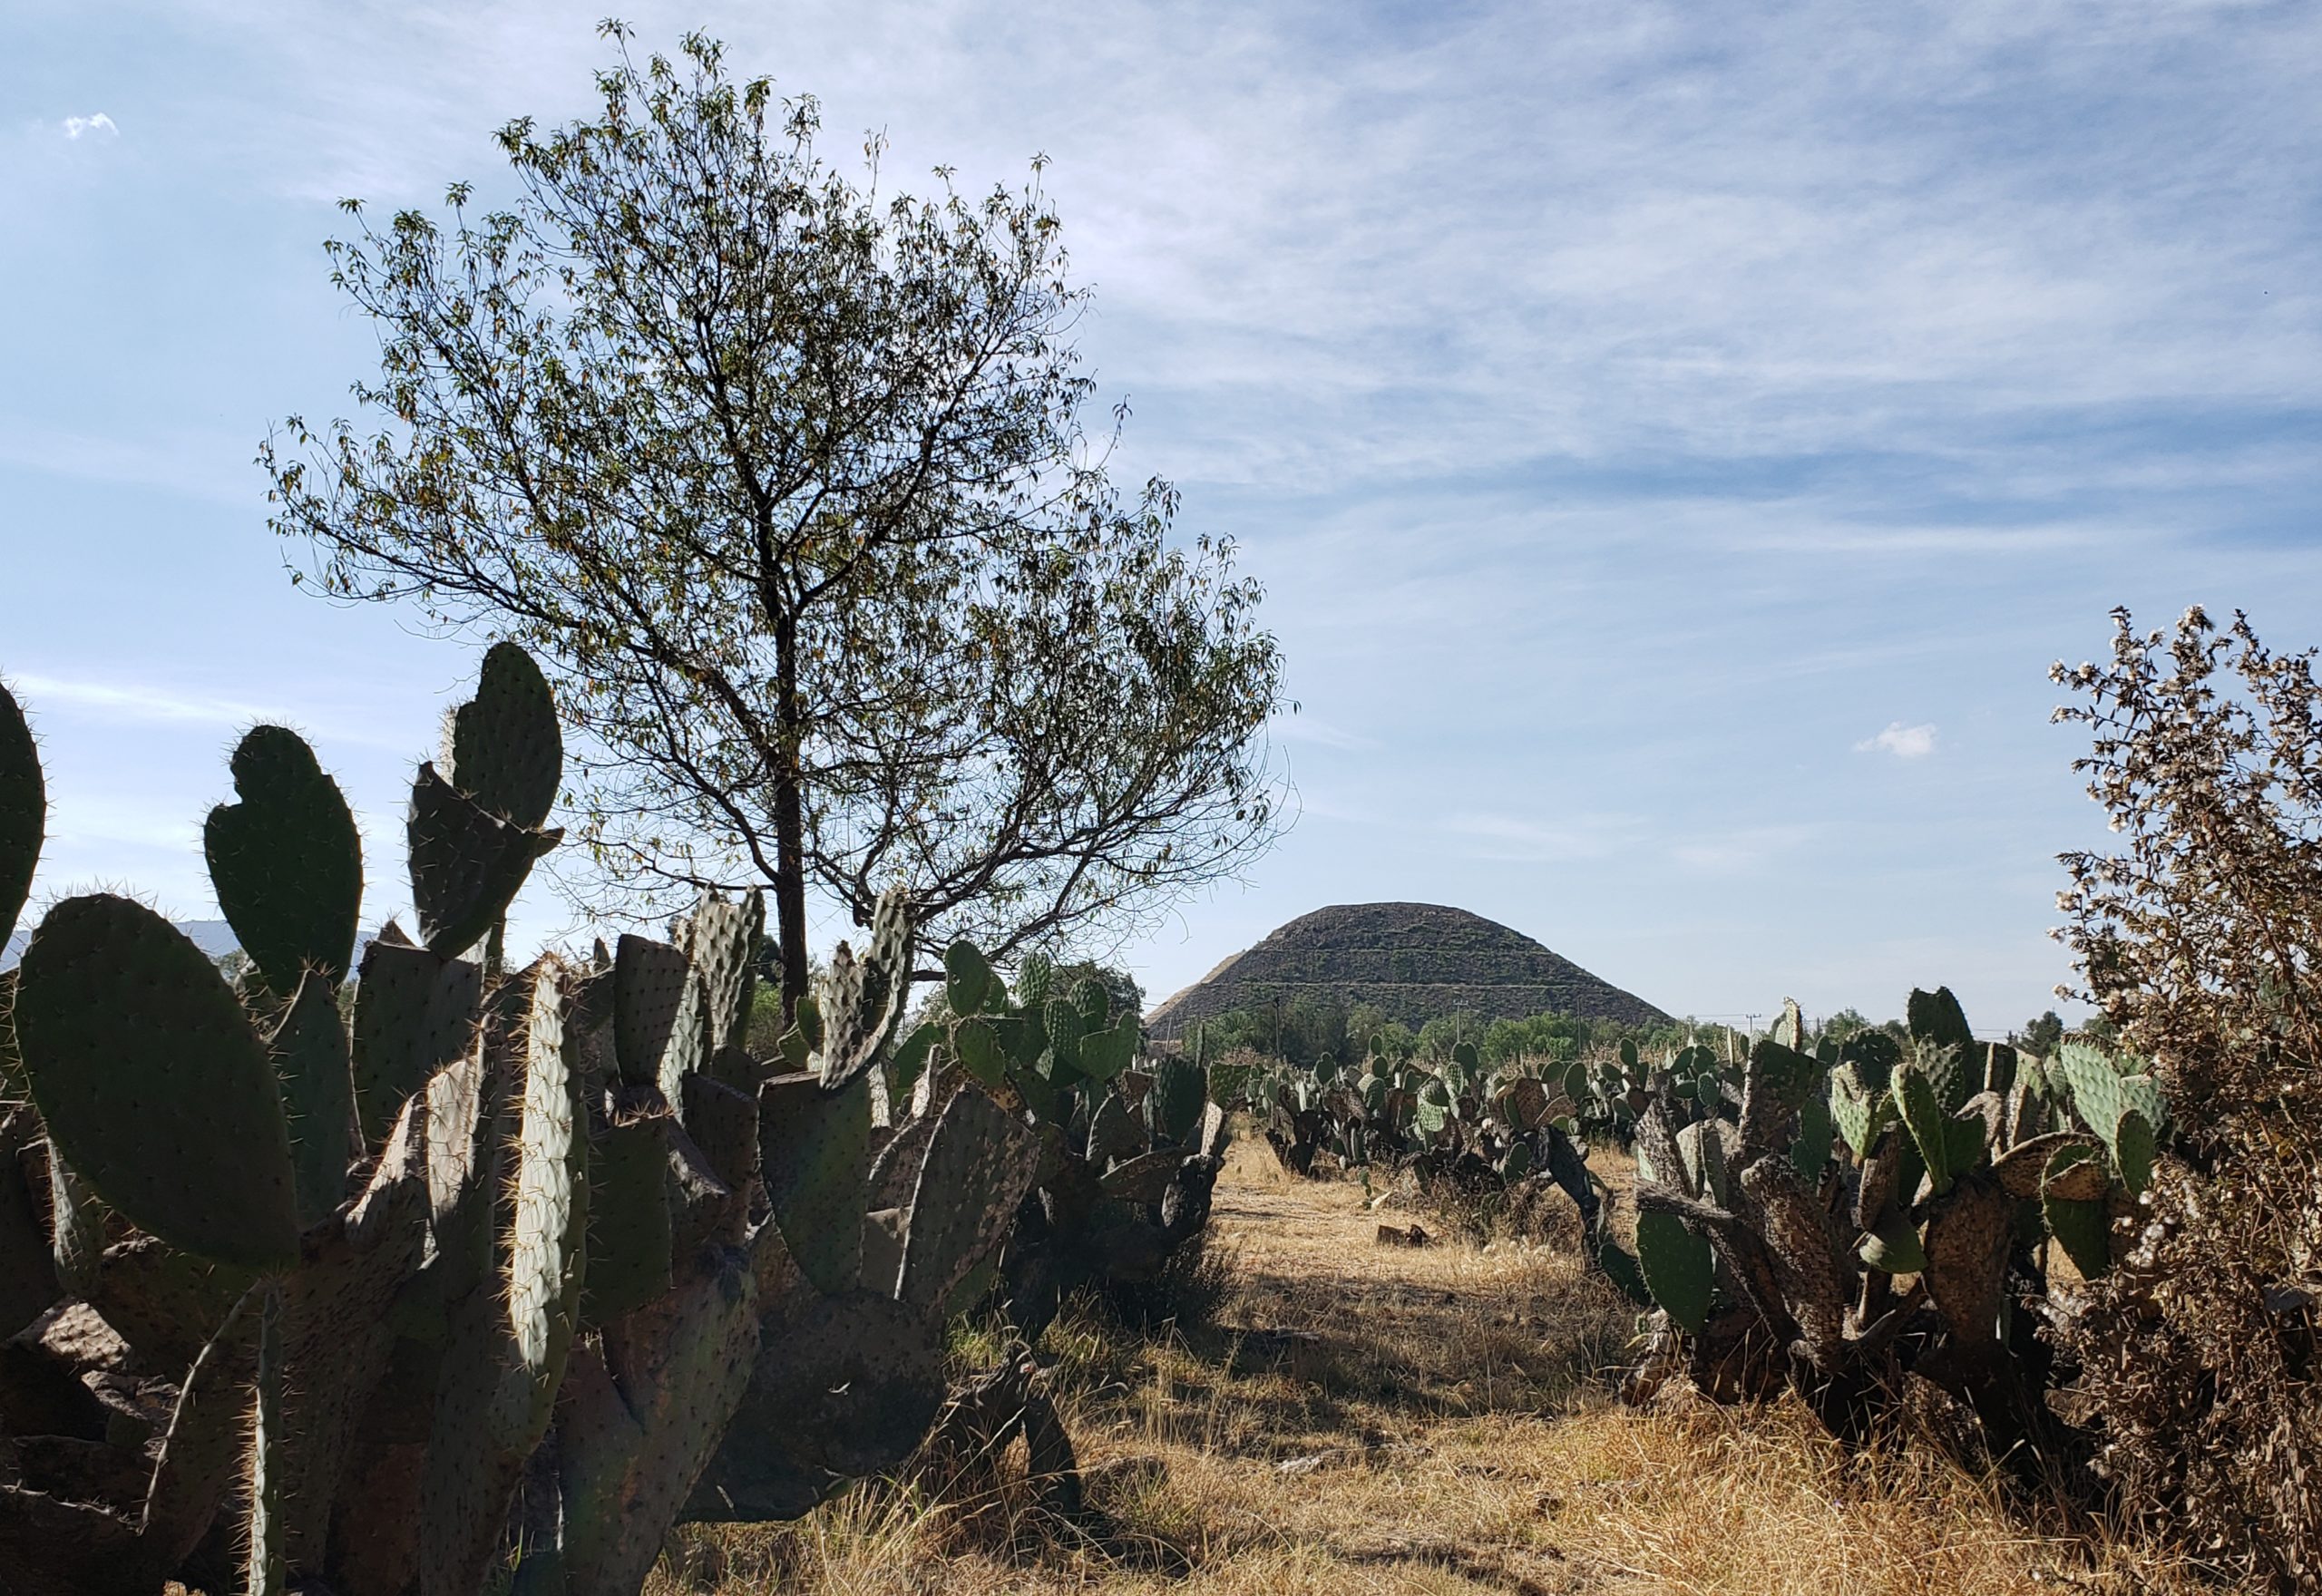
<point x="1359" y="1417"/>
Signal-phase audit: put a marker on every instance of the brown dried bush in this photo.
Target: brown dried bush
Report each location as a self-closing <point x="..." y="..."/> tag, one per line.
<point x="2201" y="940"/>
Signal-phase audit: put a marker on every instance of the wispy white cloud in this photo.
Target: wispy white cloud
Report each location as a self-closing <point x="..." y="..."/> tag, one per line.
<point x="97" y="126"/>
<point x="1305" y="728"/>
<point x="142" y="703"/>
<point x="1743" y="850"/>
<point x="1901" y="740"/>
<point x="1518" y="840"/>
<point x="212" y="466"/>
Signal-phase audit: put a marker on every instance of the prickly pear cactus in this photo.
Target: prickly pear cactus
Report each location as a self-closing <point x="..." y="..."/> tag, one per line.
<point x="23" y="810"/>
<point x="1873" y="1208"/>
<point x="492" y="1242"/>
<point x="286" y="862"/>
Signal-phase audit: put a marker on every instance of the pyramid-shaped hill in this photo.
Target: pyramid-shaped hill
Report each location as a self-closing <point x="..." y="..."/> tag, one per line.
<point x="1416" y="961"/>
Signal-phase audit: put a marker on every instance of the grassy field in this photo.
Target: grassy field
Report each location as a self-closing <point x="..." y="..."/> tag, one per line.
<point x="1367" y="1417"/>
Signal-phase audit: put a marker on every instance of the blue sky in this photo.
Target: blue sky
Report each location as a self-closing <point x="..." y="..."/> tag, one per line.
<point x="1675" y="439"/>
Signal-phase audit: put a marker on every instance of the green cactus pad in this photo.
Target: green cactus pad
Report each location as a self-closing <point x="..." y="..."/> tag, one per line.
<point x="1893" y="1245"/>
<point x="1923" y="1115"/>
<point x="721" y="939"/>
<point x="27" y="1268"/>
<point x="1873" y="1055"/>
<point x="862" y="998"/>
<point x="723" y="1123"/>
<point x="978" y="1165"/>
<point x="287" y="861"/>
<point x="310" y="1060"/>
<point x="967" y="980"/>
<point x="1704" y="1147"/>
<point x="1065" y="1026"/>
<point x="1032" y="979"/>
<point x="1088" y="996"/>
<point x="24" y="811"/>
<point x="1679" y="1270"/>
<point x="1180" y="1090"/>
<point x="1022" y="1038"/>
<point x="1431" y="1108"/>
<point x="2134" y="1147"/>
<point x="977" y="1046"/>
<point x="1810" y="1149"/>
<point x="909" y="1059"/>
<point x="153" y="1083"/>
<point x="507" y="1340"/>
<point x="1620" y="1266"/>
<point x="1949" y="1070"/>
<point x="1936" y="1017"/>
<point x="1790" y="1075"/>
<point x="2083" y="1230"/>
<point x="503" y="748"/>
<point x="649" y="981"/>
<point x="815" y="1156"/>
<point x="467" y="864"/>
<point x="842" y="1388"/>
<point x="414" y="1012"/>
<point x="1789" y="1030"/>
<point x="1115" y="1132"/>
<point x="1105" y="1053"/>
<point x="544" y="1247"/>
<point x="629" y="1206"/>
<point x="1964" y="1139"/>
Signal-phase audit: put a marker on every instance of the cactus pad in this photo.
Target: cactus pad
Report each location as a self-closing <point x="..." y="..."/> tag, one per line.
<point x="650" y="982"/>
<point x="24" y="811"/>
<point x="967" y="980"/>
<point x="467" y="864"/>
<point x="629" y="1206"/>
<point x="978" y="1165"/>
<point x="862" y="1000"/>
<point x="815" y="1156"/>
<point x="310" y="1060"/>
<point x="1104" y="1054"/>
<point x="153" y="1083"/>
<point x="1175" y="1103"/>
<point x="414" y="1012"/>
<point x="1679" y="1268"/>
<point x="1967" y="1238"/>
<point x="721" y="939"/>
<point x="287" y="861"/>
<point x="503" y="748"/>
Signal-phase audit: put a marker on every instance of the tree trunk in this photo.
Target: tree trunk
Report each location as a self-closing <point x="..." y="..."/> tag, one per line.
<point x="789" y="821"/>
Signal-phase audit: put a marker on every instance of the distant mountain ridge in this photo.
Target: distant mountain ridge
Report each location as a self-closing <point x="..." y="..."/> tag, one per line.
<point x="1416" y="961"/>
<point x="213" y="937"/>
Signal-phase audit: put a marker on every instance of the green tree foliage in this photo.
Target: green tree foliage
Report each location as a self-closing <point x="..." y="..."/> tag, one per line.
<point x="786" y="484"/>
<point x="2042" y="1035"/>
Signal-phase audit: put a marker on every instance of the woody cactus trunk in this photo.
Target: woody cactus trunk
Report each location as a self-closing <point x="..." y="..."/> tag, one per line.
<point x="503" y="1271"/>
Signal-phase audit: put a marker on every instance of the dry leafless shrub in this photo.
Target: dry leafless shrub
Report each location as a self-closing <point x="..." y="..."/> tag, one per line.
<point x="2198" y="938"/>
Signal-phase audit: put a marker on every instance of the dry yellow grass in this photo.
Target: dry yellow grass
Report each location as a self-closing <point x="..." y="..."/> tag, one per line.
<point x="1365" y="1419"/>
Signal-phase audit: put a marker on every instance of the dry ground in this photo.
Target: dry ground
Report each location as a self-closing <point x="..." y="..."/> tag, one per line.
<point x="1369" y="1418"/>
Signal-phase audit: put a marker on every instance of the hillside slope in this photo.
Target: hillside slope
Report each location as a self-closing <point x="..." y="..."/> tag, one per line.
<point x="1414" y="961"/>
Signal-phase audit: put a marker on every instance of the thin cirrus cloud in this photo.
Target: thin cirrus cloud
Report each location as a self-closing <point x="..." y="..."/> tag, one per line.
<point x="138" y="704"/>
<point x="1625" y="403"/>
<point x="1901" y="740"/>
<point x="97" y="126"/>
